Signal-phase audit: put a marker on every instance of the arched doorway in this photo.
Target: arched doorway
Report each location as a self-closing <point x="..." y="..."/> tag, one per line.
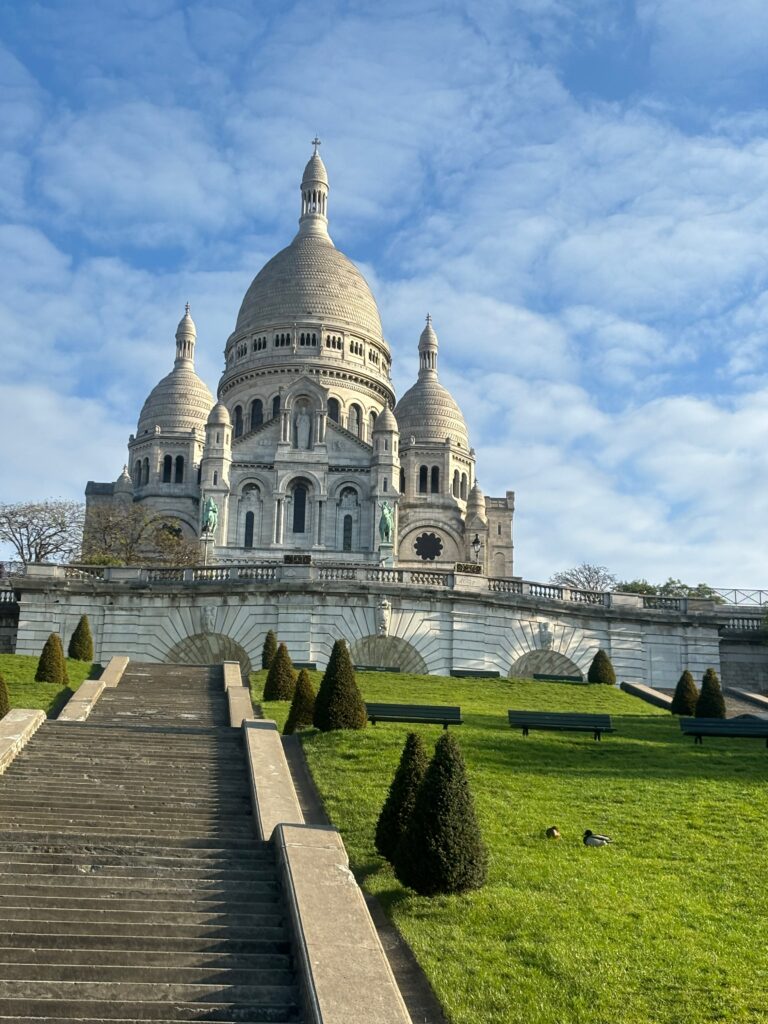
<point x="544" y="663"/>
<point x="209" y="649"/>
<point x="389" y="652"/>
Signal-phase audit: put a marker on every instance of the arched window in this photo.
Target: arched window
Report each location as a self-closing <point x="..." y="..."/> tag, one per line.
<point x="334" y="410"/>
<point x="456" y="484"/>
<point x="137" y="473"/>
<point x="347" y="540"/>
<point x="179" y="475"/>
<point x="299" y="508"/>
<point x="463" y="486"/>
<point x="275" y="406"/>
<point x="435" y="480"/>
<point x="238" y="421"/>
<point x="371" y="422"/>
<point x="423" y="472"/>
<point x="249" y="518"/>
<point x="167" y="469"/>
<point x="257" y="413"/>
<point x="146" y="471"/>
<point x="402" y="480"/>
<point x="355" y="420"/>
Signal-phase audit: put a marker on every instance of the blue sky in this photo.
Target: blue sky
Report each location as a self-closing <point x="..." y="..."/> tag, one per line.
<point x="577" y="190"/>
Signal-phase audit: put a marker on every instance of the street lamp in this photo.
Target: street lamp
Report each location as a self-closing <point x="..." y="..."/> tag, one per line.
<point x="476" y="547"/>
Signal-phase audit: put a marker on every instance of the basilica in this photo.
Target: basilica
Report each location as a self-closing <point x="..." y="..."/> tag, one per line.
<point x="306" y="454"/>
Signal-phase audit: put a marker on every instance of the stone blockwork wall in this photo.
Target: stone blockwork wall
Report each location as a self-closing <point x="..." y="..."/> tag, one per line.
<point x="442" y="629"/>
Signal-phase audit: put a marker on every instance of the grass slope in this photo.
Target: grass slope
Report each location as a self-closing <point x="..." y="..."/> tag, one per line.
<point x="19" y="672"/>
<point x="666" y="925"/>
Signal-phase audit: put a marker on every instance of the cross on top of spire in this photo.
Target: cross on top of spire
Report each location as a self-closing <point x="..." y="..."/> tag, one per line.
<point x="186" y="308"/>
<point x="316" y="142"/>
<point x="429" y="319"/>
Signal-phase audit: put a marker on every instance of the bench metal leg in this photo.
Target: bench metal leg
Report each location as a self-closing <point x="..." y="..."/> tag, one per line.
<point x="445" y="726"/>
<point x="598" y="735"/>
<point x="525" y="731"/>
<point x="698" y="739"/>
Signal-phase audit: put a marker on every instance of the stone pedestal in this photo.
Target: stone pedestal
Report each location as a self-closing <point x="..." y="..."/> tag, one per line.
<point x="386" y="555"/>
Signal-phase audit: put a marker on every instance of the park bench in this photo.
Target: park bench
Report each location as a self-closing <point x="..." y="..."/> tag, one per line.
<point x="560" y="721"/>
<point x="747" y="726"/>
<point x="557" y="679"/>
<point x="429" y="714"/>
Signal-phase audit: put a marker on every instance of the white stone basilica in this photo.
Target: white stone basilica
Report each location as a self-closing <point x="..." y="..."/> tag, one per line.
<point x="303" y="453"/>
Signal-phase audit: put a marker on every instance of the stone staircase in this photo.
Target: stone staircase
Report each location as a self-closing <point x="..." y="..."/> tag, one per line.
<point x="131" y="885"/>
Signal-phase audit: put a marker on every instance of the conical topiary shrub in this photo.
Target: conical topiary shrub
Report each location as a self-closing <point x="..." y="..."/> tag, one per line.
<point x="601" y="670"/>
<point x="398" y="807"/>
<point x="51" y="668"/>
<point x="281" y="679"/>
<point x="269" y="650"/>
<point x="711" y="703"/>
<point x="686" y="695"/>
<point x="339" y="704"/>
<point x="442" y="850"/>
<point x="303" y="705"/>
<point x="81" y="641"/>
<point x="5" y="700"/>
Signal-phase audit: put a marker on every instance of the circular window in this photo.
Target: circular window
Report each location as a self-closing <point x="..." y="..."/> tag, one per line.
<point x="428" y="546"/>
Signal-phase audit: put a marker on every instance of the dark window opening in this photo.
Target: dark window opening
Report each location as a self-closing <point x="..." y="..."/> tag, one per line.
<point x="257" y="413"/>
<point x="249" y="519"/>
<point x="347" y="545"/>
<point x="167" y="469"/>
<point x="435" y="480"/>
<point x="179" y="477"/>
<point x="334" y="410"/>
<point x="299" y="508"/>
<point x="423" y="480"/>
<point x="275" y="406"/>
<point x="238" y="421"/>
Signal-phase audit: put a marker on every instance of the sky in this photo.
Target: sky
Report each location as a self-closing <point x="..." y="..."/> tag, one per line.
<point x="576" y="190"/>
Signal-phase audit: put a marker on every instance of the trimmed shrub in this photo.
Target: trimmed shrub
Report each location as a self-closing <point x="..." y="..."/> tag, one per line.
<point x="281" y="678"/>
<point x="711" y="703"/>
<point x="601" y="670"/>
<point x="51" y="668"/>
<point x="81" y="641"/>
<point x="269" y="650"/>
<point x="398" y="807"/>
<point x="686" y="695"/>
<point x="442" y="850"/>
<point x="303" y="705"/>
<point x="5" y="700"/>
<point x="339" y="704"/>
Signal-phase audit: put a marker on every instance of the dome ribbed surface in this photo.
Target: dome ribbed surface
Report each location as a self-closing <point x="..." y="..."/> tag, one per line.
<point x="429" y="412"/>
<point x="181" y="401"/>
<point x="385" y="421"/>
<point x="310" y="279"/>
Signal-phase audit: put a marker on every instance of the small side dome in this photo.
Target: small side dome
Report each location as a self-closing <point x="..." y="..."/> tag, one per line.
<point x="186" y="328"/>
<point x="124" y="484"/>
<point x="386" y="422"/>
<point x="476" y="501"/>
<point x="315" y="171"/>
<point x="219" y="416"/>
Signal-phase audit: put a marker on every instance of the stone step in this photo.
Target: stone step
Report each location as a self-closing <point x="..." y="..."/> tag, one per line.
<point x="200" y="852"/>
<point x="67" y="911"/>
<point x="101" y="836"/>
<point x="272" y="941"/>
<point x="69" y="958"/>
<point x="109" y="887"/>
<point x="144" y="991"/>
<point x="157" y="875"/>
<point x="117" y="900"/>
<point x="86" y="799"/>
<point x="127" y="829"/>
<point x="103" y="811"/>
<point x="24" y="1009"/>
<point x="266" y="927"/>
<point x="150" y="975"/>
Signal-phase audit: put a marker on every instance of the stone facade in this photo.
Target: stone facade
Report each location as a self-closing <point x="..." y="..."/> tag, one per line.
<point x="305" y="450"/>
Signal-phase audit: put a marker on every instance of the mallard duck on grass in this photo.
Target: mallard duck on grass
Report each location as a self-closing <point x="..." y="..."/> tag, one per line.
<point x="594" y="839"/>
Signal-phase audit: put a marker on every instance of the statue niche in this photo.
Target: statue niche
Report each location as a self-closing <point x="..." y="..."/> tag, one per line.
<point x="302" y="427"/>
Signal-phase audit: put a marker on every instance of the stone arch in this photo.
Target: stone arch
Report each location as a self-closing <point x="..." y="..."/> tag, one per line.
<point x="389" y="652"/>
<point x="209" y="649"/>
<point x="545" y="663"/>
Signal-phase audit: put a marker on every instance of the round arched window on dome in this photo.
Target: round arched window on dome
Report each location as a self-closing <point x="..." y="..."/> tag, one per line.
<point x="334" y="410"/>
<point x="238" y="421"/>
<point x="257" y="413"/>
<point x="428" y="546"/>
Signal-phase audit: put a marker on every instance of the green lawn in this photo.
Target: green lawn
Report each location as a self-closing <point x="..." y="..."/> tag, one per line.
<point x="667" y="925"/>
<point x="18" y="670"/>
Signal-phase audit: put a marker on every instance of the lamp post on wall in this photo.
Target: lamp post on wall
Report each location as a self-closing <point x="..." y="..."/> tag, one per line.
<point x="476" y="544"/>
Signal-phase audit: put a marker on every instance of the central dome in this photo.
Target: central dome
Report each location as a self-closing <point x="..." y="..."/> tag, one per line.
<point x="310" y="279"/>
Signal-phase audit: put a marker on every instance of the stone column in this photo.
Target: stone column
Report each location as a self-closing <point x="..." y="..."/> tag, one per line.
<point x="279" y="520"/>
<point x="318" y="522"/>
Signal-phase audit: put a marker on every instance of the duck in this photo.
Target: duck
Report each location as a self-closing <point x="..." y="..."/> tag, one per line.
<point x="593" y="839"/>
<point x="553" y="832"/>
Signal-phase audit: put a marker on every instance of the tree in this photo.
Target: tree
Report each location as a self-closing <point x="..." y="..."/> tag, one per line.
<point x="585" y="577"/>
<point x="43" y="531"/>
<point x="81" y="641"/>
<point x="672" y="588"/>
<point x="339" y="704"/>
<point x="129" y="534"/>
<point x="711" y="703"/>
<point x="686" y="695"/>
<point x="51" y="666"/>
<point x="303" y="705"/>
<point x="269" y="650"/>
<point x="636" y="587"/>
<point x="5" y="700"/>
<point x="398" y="807"/>
<point x="281" y="679"/>
<point x="601" y="670"/>
<point x="442" y="850"/>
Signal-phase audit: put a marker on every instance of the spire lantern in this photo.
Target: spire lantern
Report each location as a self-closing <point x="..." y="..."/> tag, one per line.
<point x="428" y="352"/>
<point x="186" y="335"/>
<point x="314" y="196"/>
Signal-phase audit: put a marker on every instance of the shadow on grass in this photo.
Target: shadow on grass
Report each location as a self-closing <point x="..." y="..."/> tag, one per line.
<point x="58" y="702"/>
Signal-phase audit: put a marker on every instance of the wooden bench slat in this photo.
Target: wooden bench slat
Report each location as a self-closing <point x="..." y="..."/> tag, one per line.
<point x="752" y="728"/>
<point x="429" y="714"/>
<point x="560" y="721"/>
